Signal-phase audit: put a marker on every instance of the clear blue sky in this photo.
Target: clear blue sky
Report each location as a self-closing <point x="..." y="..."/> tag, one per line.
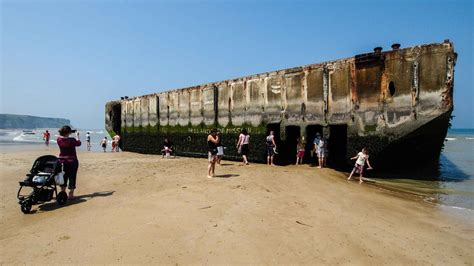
<point x="67" y="58"/>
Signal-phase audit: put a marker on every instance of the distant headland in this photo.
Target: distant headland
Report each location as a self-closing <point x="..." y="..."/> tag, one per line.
<point x="11" y="121"/>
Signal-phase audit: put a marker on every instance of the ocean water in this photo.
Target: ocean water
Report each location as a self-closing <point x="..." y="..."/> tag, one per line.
<point x="451" y="186"/>
<point x="14" y="139"/>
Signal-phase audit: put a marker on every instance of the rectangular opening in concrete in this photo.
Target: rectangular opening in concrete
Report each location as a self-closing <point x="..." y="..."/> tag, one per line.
<point x="337" y="146"/>
<point x="287" y="148"/>
<point x="275" y="127"/>
<point x="116" y="117"/>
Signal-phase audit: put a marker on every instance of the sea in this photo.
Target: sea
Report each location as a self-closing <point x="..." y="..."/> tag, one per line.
<point x="451" y="186"/>
<point x="18" y="139"/>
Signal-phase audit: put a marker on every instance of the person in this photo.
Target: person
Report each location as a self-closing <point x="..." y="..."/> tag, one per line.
<point x="271" y="147"/>
<point x="113" y="143"/>
<point x="67" y="156"/>
<point x="299" y="151"/>
<point x="321" y="152"/>
<point x="116" y="141"/>
<point x="315" y="143"/>
<point x="88" y="140"/>
<point x="46" y="136"/>
<point x="103" y="143"/>
<point x="361" y="157"/>
<point x="243" y="145"/>
<point x="168" y="148"/>
<point x="212" y="141"/>
<point x="220" y="149"/>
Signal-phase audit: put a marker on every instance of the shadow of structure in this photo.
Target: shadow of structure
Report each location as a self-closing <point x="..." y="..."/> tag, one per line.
<point x="53" y="205"/>
<point x="441" y="170"/>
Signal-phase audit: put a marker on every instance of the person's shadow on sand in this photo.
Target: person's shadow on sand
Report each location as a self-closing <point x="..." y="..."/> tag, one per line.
<point x="53" y="205"/>
<point x="225" y="176"/>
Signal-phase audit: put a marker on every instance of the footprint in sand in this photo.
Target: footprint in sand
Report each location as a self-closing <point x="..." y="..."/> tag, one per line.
<point x="49" y="253"/>
<point x="65" y="237"/>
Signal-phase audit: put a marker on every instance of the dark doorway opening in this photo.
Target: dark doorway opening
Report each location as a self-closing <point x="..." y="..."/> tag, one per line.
<point x="391" y="88"/>
<point x="116" y="117"/>
<point x="275" y="127"/>
<point x="337" y="147"/>
<point x="287" y="149"/>
<point x="310" y="136"/>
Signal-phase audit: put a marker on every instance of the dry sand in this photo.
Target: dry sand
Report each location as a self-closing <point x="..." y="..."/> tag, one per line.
<point x="134" y="208"/>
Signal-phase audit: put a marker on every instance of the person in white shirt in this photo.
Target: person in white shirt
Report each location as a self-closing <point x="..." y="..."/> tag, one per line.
<point x="88" y="140"/>
<point x="360" y="158"/>
<point x="321" y="152"/>
<point x="243" y="145"/>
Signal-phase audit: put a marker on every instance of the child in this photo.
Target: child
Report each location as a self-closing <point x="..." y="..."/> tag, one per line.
<point x="321" y="152"/>
<point x="299" y="152"/>
<point x="113" y="145"/>
<point x="167" y="148"/>
<point x="103" y="143"/>
<point x="361" y="157"/>
<point x="166" y="152"/>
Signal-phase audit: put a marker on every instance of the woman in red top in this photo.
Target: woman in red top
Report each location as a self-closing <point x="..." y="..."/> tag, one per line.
<point x="67" y="156"/>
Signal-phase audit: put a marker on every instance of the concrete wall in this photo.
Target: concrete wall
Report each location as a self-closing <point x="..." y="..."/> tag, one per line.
<point x="383" y="95"/>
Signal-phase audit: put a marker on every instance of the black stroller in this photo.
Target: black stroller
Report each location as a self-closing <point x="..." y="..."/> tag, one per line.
<point x="42" y="183"/>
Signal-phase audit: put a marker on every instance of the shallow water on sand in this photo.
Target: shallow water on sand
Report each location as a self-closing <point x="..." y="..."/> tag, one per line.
<point x="453" y="185"/>
<point x="15" y="139"/>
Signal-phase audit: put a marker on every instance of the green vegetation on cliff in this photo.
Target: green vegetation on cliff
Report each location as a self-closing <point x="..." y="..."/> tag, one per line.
<point x="31" y="122"/>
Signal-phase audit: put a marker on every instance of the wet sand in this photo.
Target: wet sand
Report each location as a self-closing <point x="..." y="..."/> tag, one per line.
<point x="133" y="208"/>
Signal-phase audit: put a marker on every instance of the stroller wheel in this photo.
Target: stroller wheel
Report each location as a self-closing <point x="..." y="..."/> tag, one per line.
<point x="26" y="206"/>
<point x="61" y="198"/>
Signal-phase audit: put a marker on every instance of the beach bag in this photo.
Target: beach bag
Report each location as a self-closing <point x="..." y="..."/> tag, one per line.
<point x="59" y="178"/>
<point x="220" y="150"/>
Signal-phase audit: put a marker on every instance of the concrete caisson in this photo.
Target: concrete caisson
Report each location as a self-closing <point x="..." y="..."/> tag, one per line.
<point x="389" y="101"/>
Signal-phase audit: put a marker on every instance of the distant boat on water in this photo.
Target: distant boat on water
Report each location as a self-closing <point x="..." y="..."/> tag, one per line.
<point x="27" y="136"/>
<point x="28" y="132"/>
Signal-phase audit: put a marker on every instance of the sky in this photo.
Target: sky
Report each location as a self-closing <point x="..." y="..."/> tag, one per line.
<point x="68" y="58"/>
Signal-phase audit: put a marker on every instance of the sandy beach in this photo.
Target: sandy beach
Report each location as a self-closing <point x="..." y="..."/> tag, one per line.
<point x="134" y="208"/>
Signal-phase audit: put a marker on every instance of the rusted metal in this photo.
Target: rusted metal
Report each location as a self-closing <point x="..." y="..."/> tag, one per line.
<point x="352" y="92"/>
<point x="395" y="46"/>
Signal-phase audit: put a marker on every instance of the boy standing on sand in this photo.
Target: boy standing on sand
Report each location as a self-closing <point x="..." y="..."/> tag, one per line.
<point x="103" y="143"/>
<point x="361" y="157"/>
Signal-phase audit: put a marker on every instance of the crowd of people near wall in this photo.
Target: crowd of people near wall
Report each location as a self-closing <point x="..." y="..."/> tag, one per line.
<point x="67" y="156"/>
<point x="319" y="150"/>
